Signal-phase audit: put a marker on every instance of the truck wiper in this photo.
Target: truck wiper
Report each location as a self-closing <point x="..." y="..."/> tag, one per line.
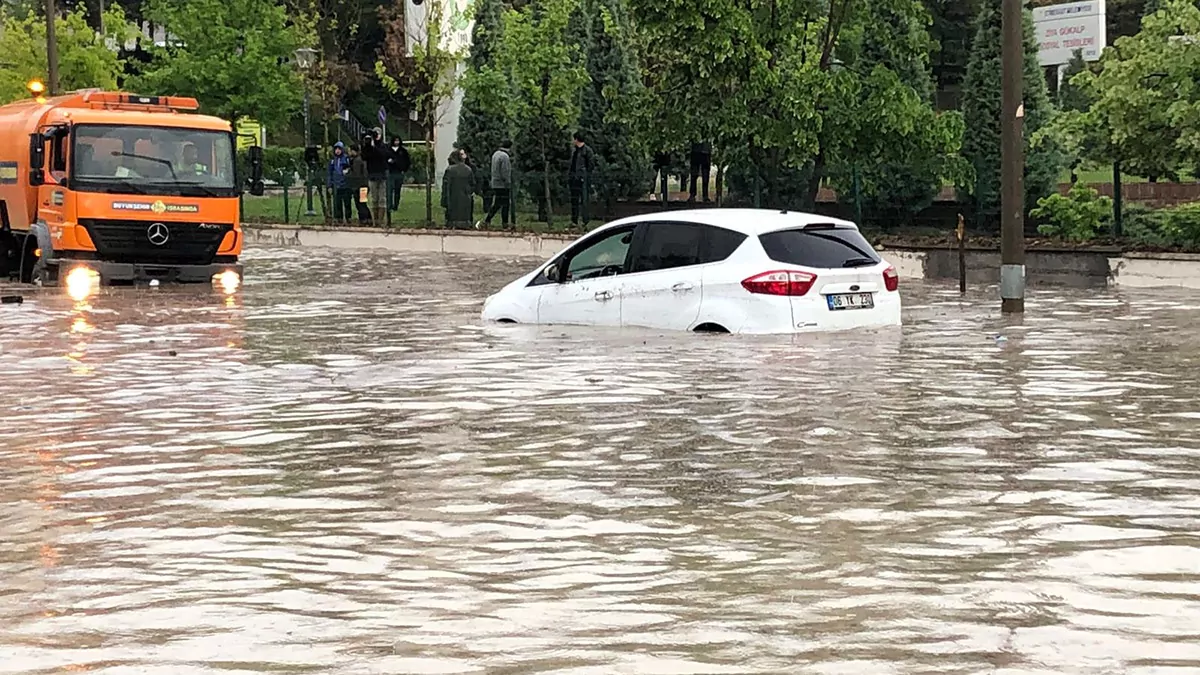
<point x="148" y="158"/>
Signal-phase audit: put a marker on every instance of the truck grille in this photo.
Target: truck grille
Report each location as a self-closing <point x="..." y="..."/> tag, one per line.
<point x="129" y="241"/>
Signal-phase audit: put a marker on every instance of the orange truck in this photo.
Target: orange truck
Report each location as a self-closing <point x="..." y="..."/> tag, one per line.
<point x="126" y="188"/>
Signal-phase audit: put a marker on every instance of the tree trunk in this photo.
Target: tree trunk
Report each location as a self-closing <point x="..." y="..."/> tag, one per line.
<point x="430" y="166"/>
<point x="546" y="175"/>
<point x="814" y="181"/>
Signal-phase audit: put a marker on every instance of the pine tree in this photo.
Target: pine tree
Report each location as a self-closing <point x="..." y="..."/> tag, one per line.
<point x="950" y="29"/>
<point x="612" y="67"/>
<point x="478" y="130"/>
<point x="1070" y="96"/>
<point x="981" y="110"/>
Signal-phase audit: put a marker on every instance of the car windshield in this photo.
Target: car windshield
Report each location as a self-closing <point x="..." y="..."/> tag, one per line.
<point x="153" y="160"/>
<point x="820" y="246"/>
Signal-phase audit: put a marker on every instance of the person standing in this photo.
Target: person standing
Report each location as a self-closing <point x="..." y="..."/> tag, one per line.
<point x="399" y="162"/>
<point x="376" y="156"/>
<point x="339" y="167"/>
<point x="359" y="185"/>
<point x="701" y="168"/>
<point x="583" y="163"/>
<point x="662" y="171"/>
<point x="458" y="192"/>
<point x="501" y="185"/>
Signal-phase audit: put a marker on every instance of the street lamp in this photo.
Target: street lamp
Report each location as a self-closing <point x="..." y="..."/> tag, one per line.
<point x="306" y="57"/>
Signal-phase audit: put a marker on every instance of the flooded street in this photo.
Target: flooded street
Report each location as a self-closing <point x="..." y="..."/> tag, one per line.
<point x="341" y="471"/>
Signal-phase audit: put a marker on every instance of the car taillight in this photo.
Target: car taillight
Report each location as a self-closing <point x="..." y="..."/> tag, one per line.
<point x="780" y="283"/>
<point x="891" y="280"/>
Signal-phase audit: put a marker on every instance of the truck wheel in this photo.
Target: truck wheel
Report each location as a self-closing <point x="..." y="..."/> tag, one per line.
<point x="28" y="260"/>
<point x="10" y="260"/>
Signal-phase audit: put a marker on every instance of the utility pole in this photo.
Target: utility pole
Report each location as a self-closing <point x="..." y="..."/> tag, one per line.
<point x="1012" y="161"/>
<point x="51" y="50"/>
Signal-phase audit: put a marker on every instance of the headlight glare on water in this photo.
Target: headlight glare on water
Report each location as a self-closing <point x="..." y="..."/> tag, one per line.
<point x="82" y="282"/>
<point x="229" y="281"/>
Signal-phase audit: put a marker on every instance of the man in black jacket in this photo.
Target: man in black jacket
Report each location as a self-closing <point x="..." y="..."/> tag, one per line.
<point x="399" y="162"/>
<point x="583" y="163"/>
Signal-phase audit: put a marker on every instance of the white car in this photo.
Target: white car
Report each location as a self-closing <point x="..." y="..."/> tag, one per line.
<point x="713" y="270"/>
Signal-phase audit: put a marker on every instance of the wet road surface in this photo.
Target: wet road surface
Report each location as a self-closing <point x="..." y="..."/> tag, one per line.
<point x="329" y="474"/>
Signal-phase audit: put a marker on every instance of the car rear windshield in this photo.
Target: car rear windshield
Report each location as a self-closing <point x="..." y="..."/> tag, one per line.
<point x="820" y="246"/>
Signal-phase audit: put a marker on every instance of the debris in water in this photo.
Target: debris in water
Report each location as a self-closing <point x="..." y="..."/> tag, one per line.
<point x="154" y="283"/>
<point x="12" y="300"/>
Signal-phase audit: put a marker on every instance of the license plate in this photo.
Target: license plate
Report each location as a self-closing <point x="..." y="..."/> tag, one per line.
<point x="851" y="301"/>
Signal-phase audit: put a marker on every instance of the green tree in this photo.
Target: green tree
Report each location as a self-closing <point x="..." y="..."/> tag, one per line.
<point x="234" y="56"/>
<point x="981" y="110"/>
<point x="535" y="81"/>
<point x="612" y="67"/>
<point x="480" y="129"/>
<point x="899" y="161"/>
<point x="758" y="81"/>
<point x="1145" y="110"/>
<point x="84" y="58"/>
<point x="423" y="71"/>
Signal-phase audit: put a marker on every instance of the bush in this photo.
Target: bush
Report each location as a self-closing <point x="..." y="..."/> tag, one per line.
<point x="1079" y="215"/>
<point x="1165" y="228"/>
<point x="283" y="165"/>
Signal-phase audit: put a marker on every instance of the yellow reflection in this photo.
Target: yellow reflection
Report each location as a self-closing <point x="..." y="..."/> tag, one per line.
<point x="82" y="282"/>
<point x="81" y="327"/>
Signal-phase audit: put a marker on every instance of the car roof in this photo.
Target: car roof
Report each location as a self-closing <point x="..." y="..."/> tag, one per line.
<point x="746" y="221"/>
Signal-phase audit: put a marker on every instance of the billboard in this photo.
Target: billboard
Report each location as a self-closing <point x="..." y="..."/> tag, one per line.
<point x="1066" y="28"/>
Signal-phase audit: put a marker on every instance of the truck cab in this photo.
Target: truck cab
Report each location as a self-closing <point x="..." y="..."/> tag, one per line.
<point x="128" y="188"/>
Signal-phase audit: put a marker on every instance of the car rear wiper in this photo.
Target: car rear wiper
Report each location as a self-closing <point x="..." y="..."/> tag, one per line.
<point x="859" y="262"/>
<point x="837" y="240"/>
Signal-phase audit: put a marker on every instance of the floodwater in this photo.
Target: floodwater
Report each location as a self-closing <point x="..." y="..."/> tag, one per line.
<point x="334" y="473"/>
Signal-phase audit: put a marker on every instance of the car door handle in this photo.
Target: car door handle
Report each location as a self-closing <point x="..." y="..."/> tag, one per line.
<point x="604" y="296"/>
<point x="682" y="286"/>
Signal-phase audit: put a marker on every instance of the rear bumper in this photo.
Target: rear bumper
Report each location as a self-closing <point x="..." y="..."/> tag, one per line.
<point x="111" y="272"/>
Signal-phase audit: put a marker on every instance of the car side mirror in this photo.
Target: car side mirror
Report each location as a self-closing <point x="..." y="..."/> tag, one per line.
<point x="552" y="273"/>
<point x="37" y="159"/>
<point x="255" y="155"/>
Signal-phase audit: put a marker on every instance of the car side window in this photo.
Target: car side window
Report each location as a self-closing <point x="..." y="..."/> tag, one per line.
<point x="604" y="257"/>
<point x="719" y="244"/>
<point x="668" y="245"/>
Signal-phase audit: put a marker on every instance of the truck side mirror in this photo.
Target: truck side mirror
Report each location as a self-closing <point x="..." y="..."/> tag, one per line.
<point x="37" y="159"/>
<point x="257" y="188"/>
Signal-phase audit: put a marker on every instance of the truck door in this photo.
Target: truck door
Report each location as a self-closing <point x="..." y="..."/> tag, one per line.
<point x="52" y="196"/>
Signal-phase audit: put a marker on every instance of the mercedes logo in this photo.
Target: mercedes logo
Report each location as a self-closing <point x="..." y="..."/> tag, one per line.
<point x="158" y="234"/>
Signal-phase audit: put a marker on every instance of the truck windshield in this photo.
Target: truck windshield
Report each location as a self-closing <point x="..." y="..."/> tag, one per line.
<point x="153" y="160"/>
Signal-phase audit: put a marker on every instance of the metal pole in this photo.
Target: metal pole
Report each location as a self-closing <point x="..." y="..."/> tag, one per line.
<point x="51" y="50"/>
<point x="1012" y="160"/>
<point x="308" y="186"/>
<point x="1118" y="228"/>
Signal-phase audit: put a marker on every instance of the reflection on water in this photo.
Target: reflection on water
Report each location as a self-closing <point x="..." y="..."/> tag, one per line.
<point x="339" y="470"/>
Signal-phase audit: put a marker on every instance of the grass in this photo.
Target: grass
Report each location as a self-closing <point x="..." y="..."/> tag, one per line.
<point x="411" y="214"/>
